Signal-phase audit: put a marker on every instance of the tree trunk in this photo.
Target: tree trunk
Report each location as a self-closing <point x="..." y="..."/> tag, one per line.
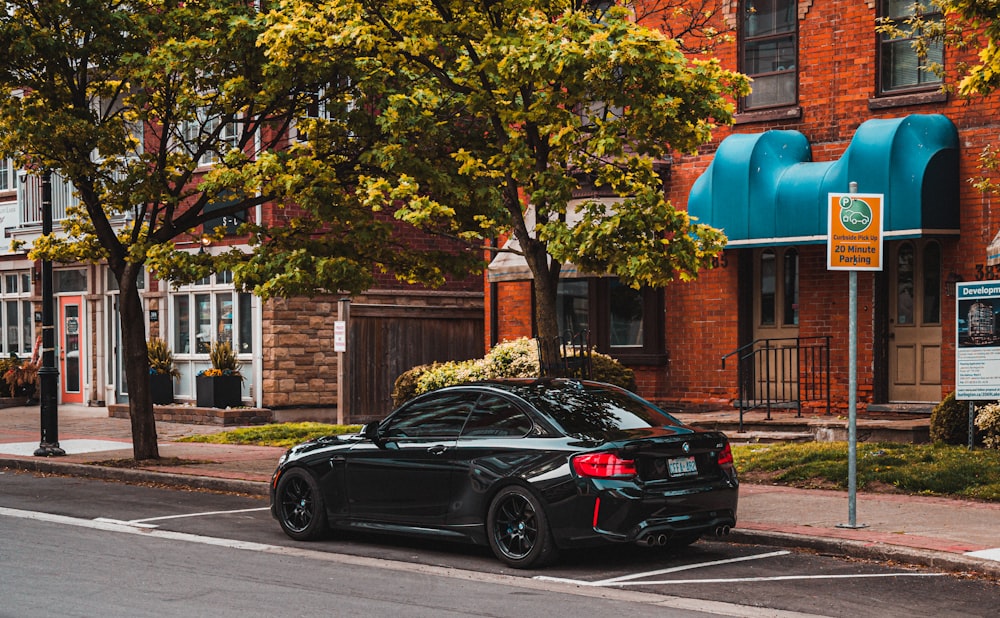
<point x="140" y="400"/>
<point x="546" y="283"/>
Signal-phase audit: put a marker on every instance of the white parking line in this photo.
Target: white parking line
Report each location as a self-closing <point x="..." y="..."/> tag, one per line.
<point x="687" y="567"/>
<point x="206" y="513"/>
<point x="629" y="580"/>
<point x="142" y="523"/>
<point x="986" y="554"/>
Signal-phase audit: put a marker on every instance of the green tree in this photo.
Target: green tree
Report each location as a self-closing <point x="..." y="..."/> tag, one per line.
<point x="130" y="99"/>
<point x="485" y="107"/>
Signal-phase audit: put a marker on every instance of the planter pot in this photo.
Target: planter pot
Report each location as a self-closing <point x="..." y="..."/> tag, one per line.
<point x="161" y="387"/>
<point x="219" y="391"/>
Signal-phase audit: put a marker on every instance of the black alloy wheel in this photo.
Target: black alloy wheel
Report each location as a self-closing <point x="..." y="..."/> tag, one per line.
<point x="518" y="529"/>
<point x="301" y="511"/>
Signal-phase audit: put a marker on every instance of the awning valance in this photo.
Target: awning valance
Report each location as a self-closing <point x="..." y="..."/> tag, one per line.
<point x="763" y="189"/>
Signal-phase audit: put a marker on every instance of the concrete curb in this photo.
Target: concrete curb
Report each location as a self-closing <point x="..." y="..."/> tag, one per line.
<point x="132" y="475"/>
<point x="865" y="550"/>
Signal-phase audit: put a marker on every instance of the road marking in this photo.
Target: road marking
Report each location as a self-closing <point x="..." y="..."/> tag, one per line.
<point x="628" y="580"/>
<point x="628" y="596"/>
<point x="688" y="567"/>
<point x="986" y="554"/>
<point x="204" y="514"/>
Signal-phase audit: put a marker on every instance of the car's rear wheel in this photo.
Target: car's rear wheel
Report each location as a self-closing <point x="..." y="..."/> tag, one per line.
<point x="518" y="529"/>
<point x="301" y="511"/>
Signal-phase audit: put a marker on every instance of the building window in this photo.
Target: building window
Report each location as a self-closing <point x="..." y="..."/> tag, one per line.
<point x="778" y="288"/>
<point x="8" y="175"/>
<point x="769" y="52"/>
<point x="210" y="312"/>
<point x="902" y="68"/>
<point x="622" y="321"/>
<point x="197" y="131"/>
<point x="16" y="314"/>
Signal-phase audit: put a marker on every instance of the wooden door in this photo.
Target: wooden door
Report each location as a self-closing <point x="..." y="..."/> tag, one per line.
<point x="915" y="322"/>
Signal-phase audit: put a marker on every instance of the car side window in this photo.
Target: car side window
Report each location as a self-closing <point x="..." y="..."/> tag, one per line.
<point x="496" y="416"/>
<point x="438" y="417"/>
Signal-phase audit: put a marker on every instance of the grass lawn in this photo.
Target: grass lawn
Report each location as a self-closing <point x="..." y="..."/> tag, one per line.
<point x="882" y="467"/>
<point x="927" y="469"/>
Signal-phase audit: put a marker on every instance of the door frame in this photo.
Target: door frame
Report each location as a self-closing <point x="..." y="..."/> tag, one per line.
<point x="62" y="332"/>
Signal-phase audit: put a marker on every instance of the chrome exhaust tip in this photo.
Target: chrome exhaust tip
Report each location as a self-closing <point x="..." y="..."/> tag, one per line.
<point x="721" y="531"/>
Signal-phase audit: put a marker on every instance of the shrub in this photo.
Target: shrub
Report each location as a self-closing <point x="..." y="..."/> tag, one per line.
<point x="161" y="359"/>
<point x="509" y="359"/>
<point x="988" y="423"/>
<point x="950" y="421"/>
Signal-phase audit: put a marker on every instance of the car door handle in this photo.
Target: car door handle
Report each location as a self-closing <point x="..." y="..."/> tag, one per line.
<point x="437" y="449"/>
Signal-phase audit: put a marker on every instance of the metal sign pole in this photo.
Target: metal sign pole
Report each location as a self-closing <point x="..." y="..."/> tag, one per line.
<point x="852" y="396"/>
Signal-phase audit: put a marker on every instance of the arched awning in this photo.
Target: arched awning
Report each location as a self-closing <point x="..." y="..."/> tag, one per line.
<point x="765" y="190"/>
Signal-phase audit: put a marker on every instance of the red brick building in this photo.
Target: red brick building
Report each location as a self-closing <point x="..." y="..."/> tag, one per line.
<point x="833" y="102"/>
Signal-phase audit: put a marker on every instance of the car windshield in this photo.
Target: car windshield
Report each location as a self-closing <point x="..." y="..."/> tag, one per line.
<point x="596" y="411"/>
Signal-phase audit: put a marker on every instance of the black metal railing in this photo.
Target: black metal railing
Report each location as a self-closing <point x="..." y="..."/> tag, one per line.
<point x="782" y="373"/>
<point x="574" y="356"/>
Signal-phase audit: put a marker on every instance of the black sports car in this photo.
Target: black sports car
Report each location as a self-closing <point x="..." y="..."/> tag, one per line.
<point x="525" y="466"/>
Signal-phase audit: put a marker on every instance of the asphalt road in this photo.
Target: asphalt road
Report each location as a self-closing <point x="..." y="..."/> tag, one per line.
<point x="79" y="547"/>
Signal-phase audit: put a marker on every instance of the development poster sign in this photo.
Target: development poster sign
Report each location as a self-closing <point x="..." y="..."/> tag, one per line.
<point x="855" y="231"/>
<point x="977" y="349"/>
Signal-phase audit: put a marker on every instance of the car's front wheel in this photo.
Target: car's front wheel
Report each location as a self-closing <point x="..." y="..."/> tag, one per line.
<point x="518" y="529"/>
<point x="300" y="507"/>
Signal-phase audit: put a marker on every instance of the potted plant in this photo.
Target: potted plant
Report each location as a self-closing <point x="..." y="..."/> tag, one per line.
<point x="21" y="377"/>
<point x="222" y="385"/>
<point x="161" y="371"/>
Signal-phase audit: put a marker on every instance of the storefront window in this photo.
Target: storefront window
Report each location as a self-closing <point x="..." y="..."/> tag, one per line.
<point x="209" y="312"/>
<point x="573" y="306"/>
<point x="619" y="320"/>
<point x="17" y="335"/>
<point x="626" y="315"/>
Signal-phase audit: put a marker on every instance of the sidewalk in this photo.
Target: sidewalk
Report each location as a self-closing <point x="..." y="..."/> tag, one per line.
<point x="953" y="535"/>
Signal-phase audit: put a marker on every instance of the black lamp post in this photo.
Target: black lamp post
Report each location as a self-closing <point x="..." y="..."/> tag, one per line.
<point x="48" y="373"/>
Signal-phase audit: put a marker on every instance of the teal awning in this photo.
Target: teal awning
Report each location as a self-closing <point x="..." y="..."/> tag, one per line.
<point x="764" y="189"/>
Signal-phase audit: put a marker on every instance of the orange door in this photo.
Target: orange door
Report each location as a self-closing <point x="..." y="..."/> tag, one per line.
<point x="70" y="334"/>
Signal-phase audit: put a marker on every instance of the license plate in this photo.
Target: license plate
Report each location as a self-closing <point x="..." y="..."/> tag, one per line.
<point x="682" y="466"/>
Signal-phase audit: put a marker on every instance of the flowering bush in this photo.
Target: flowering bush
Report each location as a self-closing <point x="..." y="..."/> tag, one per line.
<point x="508" y="359"/>
<point x="988" y="422"/>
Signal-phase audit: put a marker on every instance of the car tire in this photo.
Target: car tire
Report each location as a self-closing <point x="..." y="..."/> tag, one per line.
<point x="518" y="529"/>
<point x="300" y="507"/>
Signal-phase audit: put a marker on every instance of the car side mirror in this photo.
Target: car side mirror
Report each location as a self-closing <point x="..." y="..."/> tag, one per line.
<point x="371" y="433"/>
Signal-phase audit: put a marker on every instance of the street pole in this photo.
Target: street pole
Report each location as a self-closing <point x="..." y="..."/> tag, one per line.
<point x="48" y="373"/>
<point x="852" y="396"/>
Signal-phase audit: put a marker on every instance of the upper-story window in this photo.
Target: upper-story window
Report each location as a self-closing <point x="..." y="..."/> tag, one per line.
<point x="8" y="175"/>
<point x="769" y="52"/>
<point x="901" y="67"/>
<point x="196" y="132"/>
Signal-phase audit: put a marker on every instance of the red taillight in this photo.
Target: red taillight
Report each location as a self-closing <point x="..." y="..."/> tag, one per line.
<point x="726" y="455"/>
<point x="603" y="465"/>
